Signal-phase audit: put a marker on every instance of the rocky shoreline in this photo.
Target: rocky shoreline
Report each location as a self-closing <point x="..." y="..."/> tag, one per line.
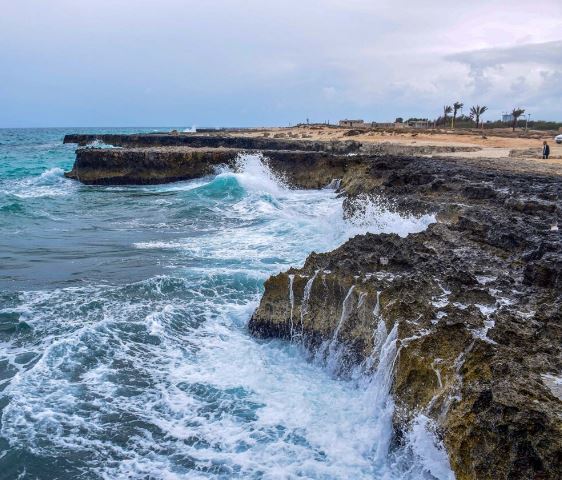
<point x="475" y="300"/>
<point x="154" y="165"/>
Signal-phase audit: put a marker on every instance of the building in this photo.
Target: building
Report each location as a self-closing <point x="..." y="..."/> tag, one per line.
<point x="507" y="118"/>
<point x="362" y="124"/>
<point x="418" y="123"/>
<point x="352" y="123"/>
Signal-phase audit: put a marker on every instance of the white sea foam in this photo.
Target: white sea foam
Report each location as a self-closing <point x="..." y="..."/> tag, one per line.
<point x="374" y="215"/>
<point x="51" y="183"/>
<point x="99" y="144"/>
<point x="265" y="407"/>
<point x="159" y="378"/>
<point x="427" y="449"/>
<point x="314" y="218"/>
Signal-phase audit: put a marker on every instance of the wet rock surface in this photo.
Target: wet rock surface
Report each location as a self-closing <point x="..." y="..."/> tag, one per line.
<point x="476" y="299"/>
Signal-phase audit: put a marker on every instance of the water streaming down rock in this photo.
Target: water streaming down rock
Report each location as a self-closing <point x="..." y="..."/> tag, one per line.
<point x="381" y="332"/>
<point x="334" y="184"/>
<point x="380" y="390"/>
<point x="377" y="308"/>
<point x="291" y="304"/>
<point x="347" y="306"/>
<point x="361" y="299"/>
<point x="421" y="454"/>
<point x="332" y="348"/>
<point x="379" y="337"/>
<point x="306" y="298"/>
<point x="375" y="378"/>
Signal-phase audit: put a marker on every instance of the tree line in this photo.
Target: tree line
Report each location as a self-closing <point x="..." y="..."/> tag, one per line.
<point x="475" y="115"/>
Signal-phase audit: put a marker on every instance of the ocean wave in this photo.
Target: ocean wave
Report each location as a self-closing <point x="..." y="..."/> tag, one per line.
<point x="191" y="393"/>
<point x="160" y="378"/>
<point x="257" y="207"/>
<point x="99" y="144"/>
<point x="51" y="183"/>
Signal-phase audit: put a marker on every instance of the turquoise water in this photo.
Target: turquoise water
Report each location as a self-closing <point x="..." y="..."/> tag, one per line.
<point x="124" y="351"/>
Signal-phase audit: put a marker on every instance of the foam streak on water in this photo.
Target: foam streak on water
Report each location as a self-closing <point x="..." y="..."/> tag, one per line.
<point x="124" y="351"/>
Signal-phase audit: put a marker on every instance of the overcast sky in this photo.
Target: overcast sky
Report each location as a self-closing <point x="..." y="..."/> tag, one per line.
<point x="268" y="62"/>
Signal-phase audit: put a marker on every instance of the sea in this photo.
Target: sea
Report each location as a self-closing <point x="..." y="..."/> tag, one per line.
<point x="124" y="347"/>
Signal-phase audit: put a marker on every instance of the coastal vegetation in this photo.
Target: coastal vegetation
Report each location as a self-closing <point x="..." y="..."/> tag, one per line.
<point x="516" y="119"/>
<point x="456" y="107"/>
<point x="515" y="114"/>
<point x="447" y="109"/>
<point x="476" y="112"/>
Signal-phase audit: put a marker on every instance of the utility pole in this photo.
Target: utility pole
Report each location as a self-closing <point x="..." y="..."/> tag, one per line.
<point x="527" y="121"/>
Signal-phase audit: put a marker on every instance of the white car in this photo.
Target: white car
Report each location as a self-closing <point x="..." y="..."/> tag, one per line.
<point x="558" y="138"/>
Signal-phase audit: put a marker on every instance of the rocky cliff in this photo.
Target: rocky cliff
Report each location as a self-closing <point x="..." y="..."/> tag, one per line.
<point x="168" y="164"/>
<point x="476" y="300"/>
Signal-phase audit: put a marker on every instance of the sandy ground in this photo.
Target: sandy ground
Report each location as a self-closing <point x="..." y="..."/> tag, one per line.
<point x="495" y="145"/>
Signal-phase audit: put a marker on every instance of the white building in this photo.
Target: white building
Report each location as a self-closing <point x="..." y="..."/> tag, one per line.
<point x="352" y="123"/>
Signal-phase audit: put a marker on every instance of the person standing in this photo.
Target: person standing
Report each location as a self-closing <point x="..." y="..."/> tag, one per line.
<point x="545" y="150"/>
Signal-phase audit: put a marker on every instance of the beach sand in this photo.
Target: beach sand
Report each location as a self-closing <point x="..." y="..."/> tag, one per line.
<point x="506" y="150"/>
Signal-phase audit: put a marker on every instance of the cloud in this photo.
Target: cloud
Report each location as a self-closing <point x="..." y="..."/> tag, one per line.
<point x="526" y="75"/>
<point x="249" y="62"/>
<point x="546" y="53"/>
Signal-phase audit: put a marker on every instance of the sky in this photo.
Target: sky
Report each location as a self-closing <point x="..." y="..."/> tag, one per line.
<point x="270" y="62"/>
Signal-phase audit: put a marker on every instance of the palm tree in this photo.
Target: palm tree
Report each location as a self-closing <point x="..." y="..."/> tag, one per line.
<point x="446" y="110"/>
<point x="517" y="112"/>
<point x="476" y="112"/>
<point x="456" y="107"/>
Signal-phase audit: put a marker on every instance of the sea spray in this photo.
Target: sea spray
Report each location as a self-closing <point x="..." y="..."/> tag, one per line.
<point x="427" y="450"/>
<point x="99" y="144"/>
<point x="374" y="214"/>
<point x="255" y="175"/>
